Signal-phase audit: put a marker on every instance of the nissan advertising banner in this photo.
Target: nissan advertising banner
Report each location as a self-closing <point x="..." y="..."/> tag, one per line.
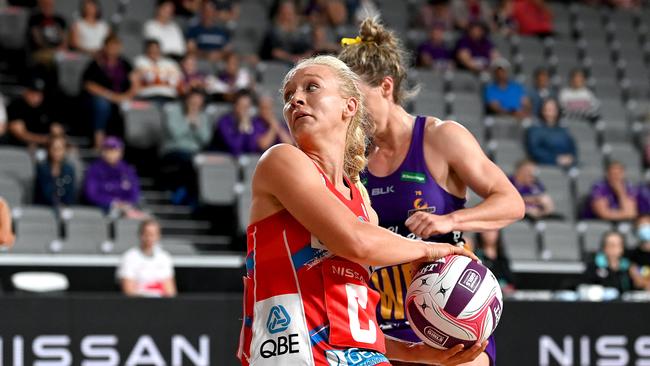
<point x="114" y="330"/>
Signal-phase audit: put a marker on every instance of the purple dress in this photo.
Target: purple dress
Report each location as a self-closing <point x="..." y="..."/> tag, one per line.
<point x="603" y="190"/>
<point x="395" y="197"/>
<point x="237" y="142"/>
<point x="479" y="49"/>
<point x="105" y="184"/>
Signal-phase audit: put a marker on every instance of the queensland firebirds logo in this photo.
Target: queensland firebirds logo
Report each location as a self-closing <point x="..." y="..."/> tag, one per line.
<point x="278" y="320"/>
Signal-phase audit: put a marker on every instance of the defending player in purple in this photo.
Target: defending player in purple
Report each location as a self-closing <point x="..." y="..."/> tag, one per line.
<point x="419" y="169"/>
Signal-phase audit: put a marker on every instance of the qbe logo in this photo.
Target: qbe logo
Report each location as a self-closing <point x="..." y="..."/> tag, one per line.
<point x="278" y="320"/>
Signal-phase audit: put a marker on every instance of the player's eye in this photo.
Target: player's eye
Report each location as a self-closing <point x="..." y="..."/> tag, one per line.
<point x="312" y="86"/>
<point x="287" y="97"/>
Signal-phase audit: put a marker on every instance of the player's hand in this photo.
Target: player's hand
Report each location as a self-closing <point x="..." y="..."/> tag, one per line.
<point x="424" y="224"/>
<point x="436" y="251"/>
<point x="454" y="356"/>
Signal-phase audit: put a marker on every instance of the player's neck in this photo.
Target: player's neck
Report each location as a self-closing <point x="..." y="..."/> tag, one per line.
<point x="397" y="129"/>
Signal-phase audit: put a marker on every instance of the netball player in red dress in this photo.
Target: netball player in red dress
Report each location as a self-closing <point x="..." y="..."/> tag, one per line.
<point x="313" y="238"/>
<point x="419" y="168"/>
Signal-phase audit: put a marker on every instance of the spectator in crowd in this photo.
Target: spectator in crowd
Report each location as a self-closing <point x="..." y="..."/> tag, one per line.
<point x="504" y="96"/>
<point x="108" y="81"/>
<point x="187" y="132"/>
<point x="47" y="33"/>
<point x="577" y="100"/>
<point x="208" y="38"/>
<point x="111" y="184"/>
<point x="433" y="12"/>
<point x="640" y="256"/>
<point x="538" y="203"/>
<point x="336" y="16"/>
<point x="30" y="123"/>
<point x="549" y="143"/>
<point x="157" y="77"/>
<point x="435" y="52"/>
<point x="239" y="132"/>
<point x="230" y="80"/>
<point x="609" y="266"/>
<point x="164" y="29"/>
<point x="90" y="31"/>
<point x="613" y="198"/>
<point x="465" y="12"/>
<point x="192" y="77"/>
<point x="286" y="41"/>
<point x="6" y="234"/>
<point x="474" y="51"/>
<point x="321" y="44"/>
<point x="147" y="270"/>
<point x="533" y="17"/>
<point x="55" y="177"/>
<point x="643" y="198"/>
<point x="504" y="19"/>
<point x="3" y="120"/>
<point x="489" y="249"/>
<point x="541" y="90"/>
<point x="187" y="8"/>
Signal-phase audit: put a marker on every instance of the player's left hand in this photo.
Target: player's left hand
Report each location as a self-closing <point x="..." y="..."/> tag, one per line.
<point x="424" y="224"/>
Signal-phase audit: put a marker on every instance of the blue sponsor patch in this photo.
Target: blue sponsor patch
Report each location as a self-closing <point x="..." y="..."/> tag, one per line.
<point x="354" y="357"/>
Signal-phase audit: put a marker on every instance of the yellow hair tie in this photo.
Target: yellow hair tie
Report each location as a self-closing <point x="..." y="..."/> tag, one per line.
<point x="350" y="41"/>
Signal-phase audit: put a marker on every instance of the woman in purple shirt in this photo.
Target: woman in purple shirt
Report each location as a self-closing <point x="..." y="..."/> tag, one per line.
<point x="111" y="184"/>
<point x="474" y="51"/>
<point x="613" y="198"/>
<point x="419" y="169"/>
<point x="239" y="132"/>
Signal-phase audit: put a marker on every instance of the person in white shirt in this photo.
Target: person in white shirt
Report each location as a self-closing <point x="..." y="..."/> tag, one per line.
<point x="166" y="31"/>
<point x="576" y="100"/>
<point x="147" y="270"/>
<point x="90" y="31"/>
<point x="158" y="77"/>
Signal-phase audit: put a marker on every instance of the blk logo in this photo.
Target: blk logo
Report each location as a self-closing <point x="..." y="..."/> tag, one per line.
<point x="279" y="320"/>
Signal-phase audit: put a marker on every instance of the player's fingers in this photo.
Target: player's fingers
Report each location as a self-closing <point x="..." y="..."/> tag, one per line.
<point x="468" y="355"/>
<point x="415" y="217"/>
<point x="450" y="353"/>
<point x="465" y="252"/>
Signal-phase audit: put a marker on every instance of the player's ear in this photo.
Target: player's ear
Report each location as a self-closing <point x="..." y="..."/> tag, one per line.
<point x="350" y="108"/>
<point x="387" y="85"/>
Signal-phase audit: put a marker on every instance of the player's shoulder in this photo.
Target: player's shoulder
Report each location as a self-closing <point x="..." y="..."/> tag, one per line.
<point x="444" y="131"/>
<point x="283" y="156"/>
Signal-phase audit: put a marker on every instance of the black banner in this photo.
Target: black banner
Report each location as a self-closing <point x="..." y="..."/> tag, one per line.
<point x="574" y="333"/>
<point x="204" y="330"/>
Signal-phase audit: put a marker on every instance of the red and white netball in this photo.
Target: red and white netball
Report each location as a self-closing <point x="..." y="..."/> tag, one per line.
<point x="454" y="300"/>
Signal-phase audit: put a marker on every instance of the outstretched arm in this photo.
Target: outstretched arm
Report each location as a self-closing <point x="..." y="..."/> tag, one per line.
<point x="423" y="354"/>
<point x="286" y="176"/>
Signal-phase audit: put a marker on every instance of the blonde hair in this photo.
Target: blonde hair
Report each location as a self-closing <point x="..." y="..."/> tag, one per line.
<point x="379" y="54"/>
<point x="359" y="129"/>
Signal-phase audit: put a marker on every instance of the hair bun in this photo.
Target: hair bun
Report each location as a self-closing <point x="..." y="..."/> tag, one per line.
<point x="371" y="30"/>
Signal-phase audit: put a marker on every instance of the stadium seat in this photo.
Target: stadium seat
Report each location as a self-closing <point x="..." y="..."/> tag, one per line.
<point x="18" y="165"/>
<point x="508" y="153"/>
<point x="243" y="209"/>
<point x="216" y="110"/>
<point x="560" y="241"/>
<point x="504" y="128"/>
<point x="13" y="27"/>
<point x="143" y="124"/>
<point x="85" y="228"/>
<point x="589" y="155"/>
<point x="11" y="191"/>
<point x="520" y="241"/>
<point x="558" y="187"/>
<point x="582" y="131"/>
<point x="628" y="155"/>
<point x="591" y="233"/>
<point x="395" y="13"/>
<point x="71" y="67"/>
<point x="139" y="10"/>
<point x="126" y="235"/>
<point x="429" y="104"/>
<point x="248" y="163"/>
<point x="469" y="105"/>
<point x="178" y="247"/>
<point x="464" y="82"/>
<point x="68" y="9"/>
<point x="273" y="73"/>
<point x="218" y="175"/>
<point x="36" y="230"/>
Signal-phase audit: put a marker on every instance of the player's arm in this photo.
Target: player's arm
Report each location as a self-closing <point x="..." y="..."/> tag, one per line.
<point x="421" y="353"/>
<point x="6" y="235"/>
<point x="501" y="205"/>
<point x="129" y="287"/>
<point x="287" y="175"/>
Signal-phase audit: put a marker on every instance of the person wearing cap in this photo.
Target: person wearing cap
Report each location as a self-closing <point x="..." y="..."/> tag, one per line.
<point x="504" y="96"/>
<point x="30" y="123"/>
<point x="111" y="183"/>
